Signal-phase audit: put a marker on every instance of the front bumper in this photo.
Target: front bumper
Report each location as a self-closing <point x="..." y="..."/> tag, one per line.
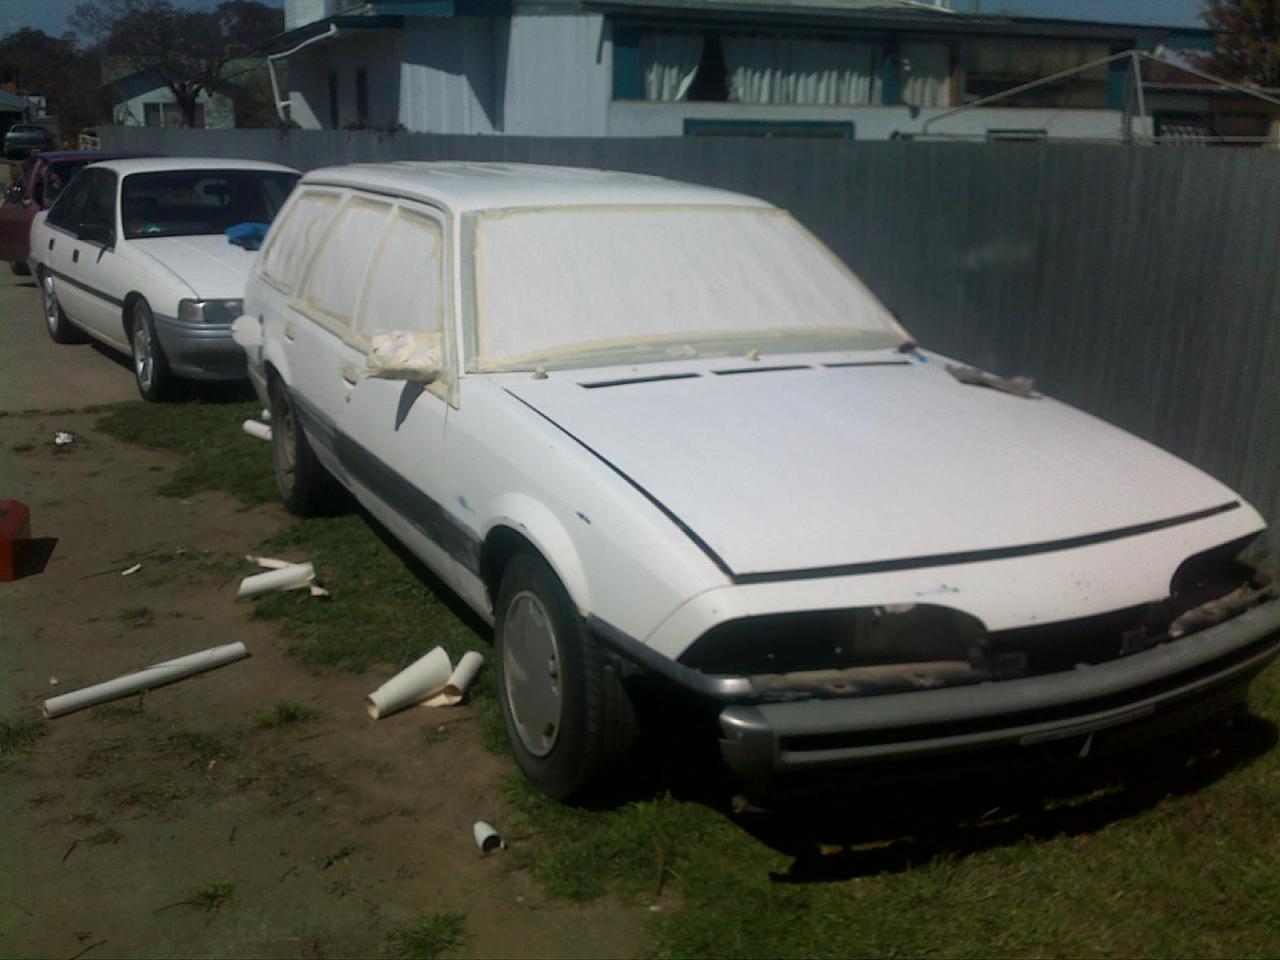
<point x="1200" y="672"/>
<point x="200" y="351"/>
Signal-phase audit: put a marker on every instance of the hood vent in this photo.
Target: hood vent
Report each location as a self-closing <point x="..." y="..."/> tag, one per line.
<point x="737" y="370"/>
<point x="868" y="363"/>
<point x="625" y="381"/>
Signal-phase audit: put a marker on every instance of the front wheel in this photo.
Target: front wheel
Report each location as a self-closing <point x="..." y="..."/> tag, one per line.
<point x="569" y="720"/>
<point x="156" y="381"/>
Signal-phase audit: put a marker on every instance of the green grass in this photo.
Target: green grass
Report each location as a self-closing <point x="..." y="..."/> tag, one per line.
<point x="1171" y="851"/>
<point x="430" y="935"/>
<point x="19" y="735"/>
<point x="285" y="714"/>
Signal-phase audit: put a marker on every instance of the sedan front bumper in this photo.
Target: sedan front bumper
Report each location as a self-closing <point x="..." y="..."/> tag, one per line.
<point x="200" y="351"/>
<point x="1210" y="669"/>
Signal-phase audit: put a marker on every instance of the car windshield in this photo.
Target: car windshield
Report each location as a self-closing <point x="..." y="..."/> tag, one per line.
<point x="572" y="286"/>
<point x="177" y="203"/>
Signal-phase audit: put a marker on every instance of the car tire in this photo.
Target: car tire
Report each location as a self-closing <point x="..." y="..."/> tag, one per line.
<point x="300" y="477"/>
<point x="61" y="330"/>
<point x="156" y="382"/>
<point x="569" y="720"/>
<point x="19" y="268"/>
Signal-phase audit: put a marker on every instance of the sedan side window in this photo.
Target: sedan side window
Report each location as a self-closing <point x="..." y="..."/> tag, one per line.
<point x="66" y="212"/>
<point x="100" y="204"/>
<point x="333" y="282"/>
<point x="405" y="285"/>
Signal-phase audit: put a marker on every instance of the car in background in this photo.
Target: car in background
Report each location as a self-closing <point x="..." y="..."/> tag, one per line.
<point x="23" y="139"/>
<point x="658" y="434"/>
<point x="34" y="185"/>
<point x="135" y="254"/>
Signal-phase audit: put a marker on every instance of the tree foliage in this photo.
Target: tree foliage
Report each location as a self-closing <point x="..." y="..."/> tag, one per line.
<point x="53" y="67"/>
<point x="189" y="51"/>
<point x="1246" y="40"/>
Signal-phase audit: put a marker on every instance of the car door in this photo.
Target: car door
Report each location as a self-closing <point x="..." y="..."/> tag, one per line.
<point x="16" y="213"/>
<point x="323" y="365"/>
<point x="392" y="436"/>
<point x="53" y="250"/>
<point x="89" y="263"/>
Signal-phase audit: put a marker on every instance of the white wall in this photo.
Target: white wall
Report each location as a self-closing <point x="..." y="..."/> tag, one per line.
<point x="219" y="111"/>
<point x="628" y="118"/>
<point x="559" y="76"/>
<point x="300" y="12"/>
<point x="446" y="82"/>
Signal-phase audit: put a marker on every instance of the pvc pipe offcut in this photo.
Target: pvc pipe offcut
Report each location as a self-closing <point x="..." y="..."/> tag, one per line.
<point x="154" y="676"/>
<point x="456" y="686"/>
<point x="416" y="682"/>
<point x="255" y="429"/>
<point x="291" y="577"/>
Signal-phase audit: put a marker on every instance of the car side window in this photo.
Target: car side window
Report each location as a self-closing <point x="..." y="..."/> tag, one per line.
<point x="334" y="278"/>
<point x="100" y="203"/>
<point x="286" y="256"/>
<point x="66" y="211"/>
<point x="405" y="287"/>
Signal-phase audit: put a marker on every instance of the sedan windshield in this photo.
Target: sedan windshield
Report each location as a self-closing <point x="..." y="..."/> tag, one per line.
<point x="178" y="203"/>
<point x="569" y="286"/>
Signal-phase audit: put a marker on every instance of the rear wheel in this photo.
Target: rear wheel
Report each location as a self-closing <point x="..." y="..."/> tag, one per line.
<point x="300" y="478"/>
<point x="567" y="716"/>
<point x="55" y="321"/>
<point x="156" y="381"/>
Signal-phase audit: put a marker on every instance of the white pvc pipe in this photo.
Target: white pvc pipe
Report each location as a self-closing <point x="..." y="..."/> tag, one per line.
<point x="456" y="686"/>
<point x="416" y="682"/>
<point x="253" y="428"/>
<point x="154" y="676"/>
<point x="487" y="838"/>
<point x="292" y="577"/>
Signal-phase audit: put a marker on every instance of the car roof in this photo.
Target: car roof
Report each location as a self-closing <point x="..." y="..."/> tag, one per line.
<point x="161" y="164"/>
<point x="463" y="186"/>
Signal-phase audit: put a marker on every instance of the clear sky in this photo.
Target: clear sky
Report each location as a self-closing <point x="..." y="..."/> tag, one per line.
<point x="51" y="15"/>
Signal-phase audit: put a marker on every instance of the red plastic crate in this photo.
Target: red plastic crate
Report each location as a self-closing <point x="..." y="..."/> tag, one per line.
<point x="15" y="533"/>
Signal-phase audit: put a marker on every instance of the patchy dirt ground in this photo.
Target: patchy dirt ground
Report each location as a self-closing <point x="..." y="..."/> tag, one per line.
<point x="192" y="821"/>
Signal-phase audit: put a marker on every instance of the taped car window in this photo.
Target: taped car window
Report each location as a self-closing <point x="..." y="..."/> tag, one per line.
<point x="286" y="256"/>
<point x="404" y="291"/>
<point x="334" y="280"/>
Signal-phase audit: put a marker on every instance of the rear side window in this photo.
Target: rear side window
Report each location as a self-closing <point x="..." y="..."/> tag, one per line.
<point x="336" y="274"/>
<point x="405" y="283"/>
<point x="286" y="256"/>
<point x="66" y="212"/>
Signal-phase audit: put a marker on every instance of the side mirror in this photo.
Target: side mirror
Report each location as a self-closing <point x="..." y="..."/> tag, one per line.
<point x="402" y="355"/>
<point x="246" y="331"/>
<point x="98" y="233"/>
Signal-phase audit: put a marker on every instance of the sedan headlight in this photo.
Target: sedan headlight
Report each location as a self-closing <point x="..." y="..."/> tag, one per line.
<point x="209" y="311"/>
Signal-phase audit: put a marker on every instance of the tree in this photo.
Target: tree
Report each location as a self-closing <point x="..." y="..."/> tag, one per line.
<point x="189" y="51"/>
<point x="1246" y="42"/>
<point x="53" y="67"/>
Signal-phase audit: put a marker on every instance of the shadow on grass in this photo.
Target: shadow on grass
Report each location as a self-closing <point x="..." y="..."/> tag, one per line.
<point x="200" y="391"/>
<point x="839" y="833"/>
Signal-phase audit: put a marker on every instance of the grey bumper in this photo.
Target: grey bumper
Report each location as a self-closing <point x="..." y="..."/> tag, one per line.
<point x="200" y="351"/>
<point x="1189" y="676"/>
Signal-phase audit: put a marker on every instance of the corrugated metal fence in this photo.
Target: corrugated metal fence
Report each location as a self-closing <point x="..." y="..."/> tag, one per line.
<point x="1140" y="284"/>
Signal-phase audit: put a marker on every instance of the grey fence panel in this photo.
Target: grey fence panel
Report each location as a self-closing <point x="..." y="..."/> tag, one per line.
<point x="1140" y="284"/>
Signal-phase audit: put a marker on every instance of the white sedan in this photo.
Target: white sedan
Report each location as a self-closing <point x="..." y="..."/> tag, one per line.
<point x="658" y="432"/>
<point x="135" y="254"/>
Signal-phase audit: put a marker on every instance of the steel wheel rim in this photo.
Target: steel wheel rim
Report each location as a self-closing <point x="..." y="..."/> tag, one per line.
<point x="531" y="674"/>
<point x="144" y="361"/>
<point x="50" y="302"/>
<point x="283" y="445"/>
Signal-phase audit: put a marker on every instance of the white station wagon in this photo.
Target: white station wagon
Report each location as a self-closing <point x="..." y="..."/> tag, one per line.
<point x="134" y="255"/>
<point x="654" y="430"/>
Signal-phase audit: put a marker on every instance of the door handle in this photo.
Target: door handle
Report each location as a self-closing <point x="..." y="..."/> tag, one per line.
<point x="350" y="373"/>
<point x="51" y="243"/>
<point x="75" y="255"/>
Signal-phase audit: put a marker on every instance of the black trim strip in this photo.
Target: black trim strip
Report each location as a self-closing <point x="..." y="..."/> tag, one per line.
<point x="981" y="556"/>
<point x="868" y="363"/>
<point x="684" y="527"/>
<point x="427" y="515"/>
<point x="737" y="370"/>
<point x="626" y="381"/>
<point x="93" y="291"/>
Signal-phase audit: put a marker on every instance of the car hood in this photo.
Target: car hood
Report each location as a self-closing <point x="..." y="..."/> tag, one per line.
<point x="212" y="267"/>
<point x="855" y="466"/>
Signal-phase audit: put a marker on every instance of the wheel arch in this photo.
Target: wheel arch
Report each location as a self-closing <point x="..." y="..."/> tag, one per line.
<point x="519" y="522"/>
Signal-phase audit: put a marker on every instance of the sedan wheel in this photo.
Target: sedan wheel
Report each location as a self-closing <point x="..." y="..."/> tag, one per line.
<point x="301" y="479"/>
<point x="55" y="321"/>
<point x="150" y="368"/>
<point x="531" y="673"/>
